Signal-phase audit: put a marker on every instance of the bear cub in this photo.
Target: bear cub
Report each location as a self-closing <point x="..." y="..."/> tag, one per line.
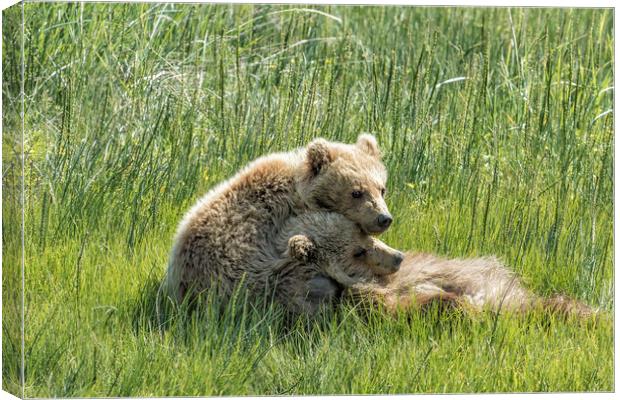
<point x="226" y="237"/>
<point x="368" y="269"/>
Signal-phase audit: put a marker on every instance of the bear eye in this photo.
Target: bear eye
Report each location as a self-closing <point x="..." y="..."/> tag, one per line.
<point x="383" y="192"/>
<point x="360" y="253"/>
<point x="357" y="194"/>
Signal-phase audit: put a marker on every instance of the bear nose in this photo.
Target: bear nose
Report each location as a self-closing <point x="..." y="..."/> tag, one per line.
<point x="384" y="220"/>
<point x="398" y="259"/>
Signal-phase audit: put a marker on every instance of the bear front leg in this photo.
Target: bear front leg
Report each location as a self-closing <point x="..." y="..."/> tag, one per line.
<point x="322" y="289"/>
<point x="316" y="293"/>
<point x="303" y="291"/>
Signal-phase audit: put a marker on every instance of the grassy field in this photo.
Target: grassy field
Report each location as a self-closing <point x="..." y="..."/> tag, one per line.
<point x="497" y="128"/>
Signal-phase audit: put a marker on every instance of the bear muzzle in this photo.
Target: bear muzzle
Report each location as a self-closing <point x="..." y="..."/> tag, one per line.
<point x="384" y="221"/>
<point x="398" y="259"/>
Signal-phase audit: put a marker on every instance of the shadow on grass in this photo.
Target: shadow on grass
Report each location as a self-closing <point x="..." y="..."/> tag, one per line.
<point x="256" y="324"/>
<point x="154" y="311"/>
<point x="242" y="314"/>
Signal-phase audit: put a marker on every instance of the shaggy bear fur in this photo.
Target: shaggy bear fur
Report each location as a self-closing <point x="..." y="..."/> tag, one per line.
<point x="326" y="244"/>
<point x="227" y="234"/>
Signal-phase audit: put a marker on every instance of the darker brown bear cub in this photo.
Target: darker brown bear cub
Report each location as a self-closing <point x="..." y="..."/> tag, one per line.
<point x="325" y="244"/>
<point x="316" y="246"/>
<point x="228" y="233"/>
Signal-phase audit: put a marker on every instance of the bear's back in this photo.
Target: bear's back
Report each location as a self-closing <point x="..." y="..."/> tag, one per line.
<point x="224" y="233"/>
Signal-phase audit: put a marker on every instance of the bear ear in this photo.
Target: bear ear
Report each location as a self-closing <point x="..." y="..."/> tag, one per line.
<point x="368" y="143"/>
<point x="318" y="155"/>
<point x="301" y="248"/>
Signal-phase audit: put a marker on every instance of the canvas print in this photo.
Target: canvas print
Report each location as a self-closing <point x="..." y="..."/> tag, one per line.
<point x="255" y="199"/>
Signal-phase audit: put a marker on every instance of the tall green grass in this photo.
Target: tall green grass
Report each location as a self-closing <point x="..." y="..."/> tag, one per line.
<point x="497" y="129"/>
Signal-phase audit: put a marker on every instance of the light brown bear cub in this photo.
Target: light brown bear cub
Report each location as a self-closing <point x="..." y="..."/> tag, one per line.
<point x="227" y="235"/>
<point x="363" y="265"/>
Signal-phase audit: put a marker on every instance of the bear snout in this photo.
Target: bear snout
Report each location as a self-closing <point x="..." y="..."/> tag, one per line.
<point x="398" y="259"/>
<point x="384" y="221"/>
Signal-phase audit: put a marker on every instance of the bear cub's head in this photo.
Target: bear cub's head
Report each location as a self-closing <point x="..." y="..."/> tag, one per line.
<point x="349" y="179"/>
<point x="337" y="244"/>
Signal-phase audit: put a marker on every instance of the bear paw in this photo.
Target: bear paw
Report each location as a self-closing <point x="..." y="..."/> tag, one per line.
<point x="301" y="248"/>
